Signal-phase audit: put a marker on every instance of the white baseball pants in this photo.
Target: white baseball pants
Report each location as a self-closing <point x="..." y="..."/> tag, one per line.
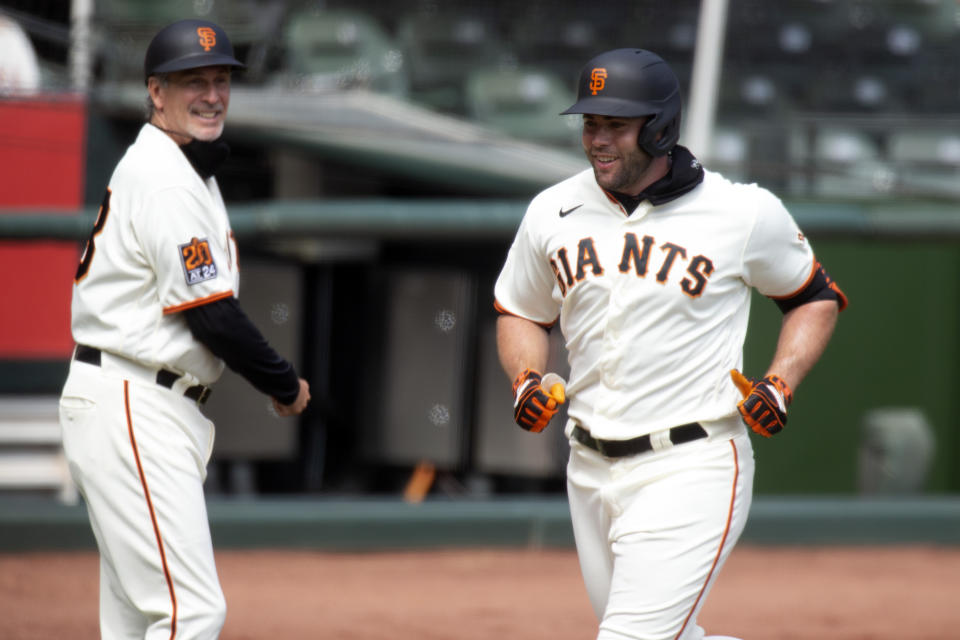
<point x="138" y="453"/>
<point x="653" y="530"/>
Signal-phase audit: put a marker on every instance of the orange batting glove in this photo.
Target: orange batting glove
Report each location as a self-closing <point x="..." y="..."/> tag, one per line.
<point x="764" y="404"/>
<point x="533" y="403"/>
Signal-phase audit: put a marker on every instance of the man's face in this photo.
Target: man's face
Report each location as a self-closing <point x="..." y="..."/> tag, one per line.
<point x="193" y="103"/>
<point x="611" y="147"/>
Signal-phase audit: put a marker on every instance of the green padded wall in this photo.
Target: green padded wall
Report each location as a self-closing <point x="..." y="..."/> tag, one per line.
<point x="895" y="345"/>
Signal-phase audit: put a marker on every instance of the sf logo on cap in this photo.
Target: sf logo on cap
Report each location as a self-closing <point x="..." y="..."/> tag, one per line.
<point x="208" y="38"/>
<point x="598" y="80"/>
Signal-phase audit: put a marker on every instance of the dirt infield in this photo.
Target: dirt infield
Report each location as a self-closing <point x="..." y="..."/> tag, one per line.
<point x="766" y="593"/>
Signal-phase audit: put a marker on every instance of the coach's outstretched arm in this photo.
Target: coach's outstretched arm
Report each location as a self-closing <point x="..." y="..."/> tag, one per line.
<point x="225" y="329"/>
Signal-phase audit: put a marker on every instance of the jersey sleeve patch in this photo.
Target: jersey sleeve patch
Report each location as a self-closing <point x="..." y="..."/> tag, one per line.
<point x="197" y="261"/>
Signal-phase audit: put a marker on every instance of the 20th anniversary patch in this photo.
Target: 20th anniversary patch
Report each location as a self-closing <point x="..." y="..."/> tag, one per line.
<point x="197" y="261"/>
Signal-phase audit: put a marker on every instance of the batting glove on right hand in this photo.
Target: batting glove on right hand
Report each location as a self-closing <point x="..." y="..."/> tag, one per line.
<point x="764" y="404"/>
<point x="534" y="404"/>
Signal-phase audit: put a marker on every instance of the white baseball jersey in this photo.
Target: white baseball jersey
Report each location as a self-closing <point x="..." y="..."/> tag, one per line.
<point x="162" y="243"/>
<point x="653" y="305"/>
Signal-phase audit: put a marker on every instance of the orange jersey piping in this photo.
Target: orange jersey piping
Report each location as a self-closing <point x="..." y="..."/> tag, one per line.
<point x="833" y="286"/>
<point x="199" y="302"/>
<point x="806" y="283"/>
<point x="501" y="310"/>
<point x="614" y="200"/>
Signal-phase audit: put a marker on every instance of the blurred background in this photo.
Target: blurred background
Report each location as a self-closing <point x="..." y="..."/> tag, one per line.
<point x="383" y="154"/>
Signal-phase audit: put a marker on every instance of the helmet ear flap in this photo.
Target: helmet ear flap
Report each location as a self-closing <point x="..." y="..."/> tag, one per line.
<point x="657" y="137"/>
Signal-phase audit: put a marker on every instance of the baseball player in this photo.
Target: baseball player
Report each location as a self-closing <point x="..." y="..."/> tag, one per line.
<point x="647" y="260"/>
<point x="155" y="317"/>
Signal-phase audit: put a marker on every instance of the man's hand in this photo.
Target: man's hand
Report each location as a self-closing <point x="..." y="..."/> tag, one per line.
<point x="764" y="404"/>
<point x="537" y="399"/>
<point x="295" y="409"/>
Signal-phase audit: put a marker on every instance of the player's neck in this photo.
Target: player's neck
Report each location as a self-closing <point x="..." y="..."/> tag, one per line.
<point x="178" y="137"/>
<point x="659" y="167"/>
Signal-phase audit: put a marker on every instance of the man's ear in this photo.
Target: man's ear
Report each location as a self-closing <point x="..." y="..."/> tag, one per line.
<point x="153" y="90"/>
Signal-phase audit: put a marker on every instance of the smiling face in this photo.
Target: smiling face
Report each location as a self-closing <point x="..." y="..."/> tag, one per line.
<point x="618" y="162"/>
<point x="191" y="103"/>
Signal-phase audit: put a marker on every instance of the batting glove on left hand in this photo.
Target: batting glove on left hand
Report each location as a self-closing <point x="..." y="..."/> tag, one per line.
<point x="534" y="404"/>
<point x="764" y="404"/>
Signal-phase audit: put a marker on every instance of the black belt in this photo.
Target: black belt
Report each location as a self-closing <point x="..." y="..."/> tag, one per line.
<point x="641" y="444"/>
<point x="165" y="378"/>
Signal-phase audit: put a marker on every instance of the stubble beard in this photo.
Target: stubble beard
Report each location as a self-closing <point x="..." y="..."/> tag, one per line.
<point x="630" y="172"/>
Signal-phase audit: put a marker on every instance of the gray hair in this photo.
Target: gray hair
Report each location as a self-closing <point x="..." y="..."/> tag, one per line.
<point x="164" y="80"/>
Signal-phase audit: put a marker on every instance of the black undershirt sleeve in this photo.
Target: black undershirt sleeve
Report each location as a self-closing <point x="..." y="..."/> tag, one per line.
<point x="820" y="287"/>
<point x="225" y="329"/>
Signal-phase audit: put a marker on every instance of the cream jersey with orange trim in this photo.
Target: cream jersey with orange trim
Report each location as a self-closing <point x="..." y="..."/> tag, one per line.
<point x="653" y="305"/>
<point x="162" y="243"/>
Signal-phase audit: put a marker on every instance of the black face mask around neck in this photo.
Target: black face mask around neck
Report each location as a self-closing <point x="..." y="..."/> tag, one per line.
<point x="206" y="157"/>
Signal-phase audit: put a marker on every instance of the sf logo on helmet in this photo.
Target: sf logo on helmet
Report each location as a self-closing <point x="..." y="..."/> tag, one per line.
<point x="598" y="80"/>
<point x="208" y="38"/>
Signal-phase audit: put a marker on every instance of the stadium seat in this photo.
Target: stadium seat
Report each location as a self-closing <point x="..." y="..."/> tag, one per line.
<point x="669" y="29"/>
<point x="559" y="46"/>
<point x="749" y="92"/>
<point x="840" y="162"/>
<point x="442" y="50"/>
<point x="858" y="90"/>
<point x="928" y="147"/>
<point x="927" y="161"/>
<point x="525" y="103"/>
<point x="341" y="49"/>
<point x="31" y="450"/>
<point x="729" y="150"/>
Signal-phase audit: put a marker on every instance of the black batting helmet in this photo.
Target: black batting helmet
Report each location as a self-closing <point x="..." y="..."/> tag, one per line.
<point x="633" y="83"/>
<point x="188" y="44"/>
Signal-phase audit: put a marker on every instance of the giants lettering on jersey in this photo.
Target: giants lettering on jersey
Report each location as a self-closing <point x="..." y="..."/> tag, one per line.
<point x="636" y="256"/>
<point x="197" y="260"/>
